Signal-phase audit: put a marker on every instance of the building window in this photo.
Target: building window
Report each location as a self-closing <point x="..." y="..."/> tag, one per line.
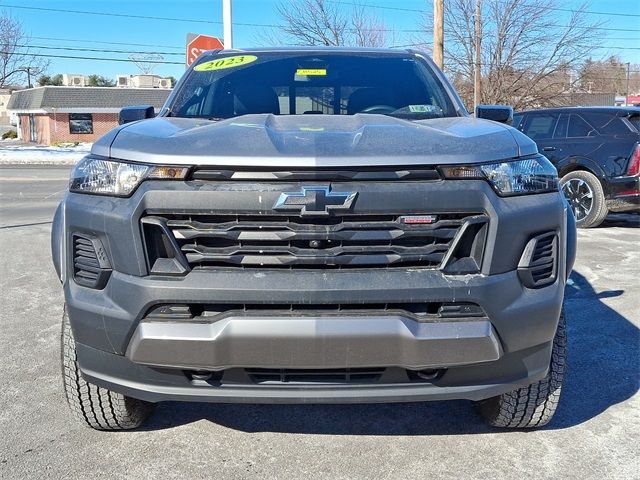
<point x="80" y="123"/>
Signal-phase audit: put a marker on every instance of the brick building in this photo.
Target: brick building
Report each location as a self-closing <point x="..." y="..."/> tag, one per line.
<point x="51" y="114"/>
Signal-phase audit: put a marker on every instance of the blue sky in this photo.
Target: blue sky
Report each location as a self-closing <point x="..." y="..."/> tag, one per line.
<point x="84" y="31"/>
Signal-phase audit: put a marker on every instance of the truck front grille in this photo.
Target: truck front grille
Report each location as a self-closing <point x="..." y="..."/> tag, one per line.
<point x="288" y="241"/>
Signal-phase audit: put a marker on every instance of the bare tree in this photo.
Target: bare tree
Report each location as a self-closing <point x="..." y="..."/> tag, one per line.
<point x="634" y="79"/>
<point x="608" y="76"/>
<point x="529" y="52"/>
<point x="367" y="30"/>
<point x="320" y="22"/>
<point x="16" y="59"/>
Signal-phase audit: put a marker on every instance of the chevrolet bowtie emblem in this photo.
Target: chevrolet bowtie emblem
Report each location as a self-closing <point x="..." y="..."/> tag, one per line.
<point x="315" y="201"/>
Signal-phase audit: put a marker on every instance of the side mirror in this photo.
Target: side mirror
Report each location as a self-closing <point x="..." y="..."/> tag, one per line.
<point x="137" y="112"/>
<point x="497" y="113"/>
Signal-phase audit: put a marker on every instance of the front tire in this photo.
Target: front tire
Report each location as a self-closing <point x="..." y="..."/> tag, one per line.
<point x="95" y="406"/>
<point x="584" y="193"/>
<point x="535" y="405"/>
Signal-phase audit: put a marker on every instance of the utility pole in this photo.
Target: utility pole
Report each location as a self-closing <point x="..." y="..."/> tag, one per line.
<point x="228" y="27"/>
<point x="477" y="79"/>
<point x="438" y="32"/>
<point x="626" y="95"/>
<point x="27" y="70"/>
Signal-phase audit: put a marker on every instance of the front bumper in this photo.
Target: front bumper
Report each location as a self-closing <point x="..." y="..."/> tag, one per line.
<point x="154" y="384"/>
<point x="477" y="357"/>
<point x="313" y="342"/>
<point x="480" y="358"/>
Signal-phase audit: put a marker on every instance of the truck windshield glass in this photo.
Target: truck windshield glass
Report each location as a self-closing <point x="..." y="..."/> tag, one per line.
<point x="305" y="84"/>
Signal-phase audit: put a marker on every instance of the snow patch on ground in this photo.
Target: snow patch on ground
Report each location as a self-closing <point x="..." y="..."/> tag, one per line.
<point x="19" y="153"/>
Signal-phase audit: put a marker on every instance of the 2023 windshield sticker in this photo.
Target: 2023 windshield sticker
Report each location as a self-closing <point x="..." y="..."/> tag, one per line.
<point x="224" y="63"/>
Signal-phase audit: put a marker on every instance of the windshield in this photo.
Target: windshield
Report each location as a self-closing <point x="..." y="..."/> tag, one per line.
<point x="305" y="84"/>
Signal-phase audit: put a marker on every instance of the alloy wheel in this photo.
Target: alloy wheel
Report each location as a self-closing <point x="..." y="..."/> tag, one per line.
<point x="580" y="197"/>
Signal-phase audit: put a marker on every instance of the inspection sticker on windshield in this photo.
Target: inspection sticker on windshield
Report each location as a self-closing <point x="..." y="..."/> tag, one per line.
<point x="422" y="108"/>
<point x="222" y="63"/>
<point x="319" y="72"/>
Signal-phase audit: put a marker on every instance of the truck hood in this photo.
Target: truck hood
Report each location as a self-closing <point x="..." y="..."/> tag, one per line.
<point x="313" y="141"/>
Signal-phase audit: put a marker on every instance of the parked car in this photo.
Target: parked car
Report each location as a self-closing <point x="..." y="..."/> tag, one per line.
<point x="295" y="228"/>
<point x="597" y="153"/>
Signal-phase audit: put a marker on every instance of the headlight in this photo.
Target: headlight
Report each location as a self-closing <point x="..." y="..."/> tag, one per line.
<point x="107" y="177"/>
<point x="519" y="177"/>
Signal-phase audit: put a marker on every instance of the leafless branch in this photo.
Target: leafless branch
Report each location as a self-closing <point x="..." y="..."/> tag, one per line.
<point x="529" y="54"/>
<point x="367" y="30"/>
<point x="15" y="59"/>
<point x="318" y="22"/>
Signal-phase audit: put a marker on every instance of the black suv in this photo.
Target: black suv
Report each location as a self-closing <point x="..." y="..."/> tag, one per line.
<point x="597" y="153"/>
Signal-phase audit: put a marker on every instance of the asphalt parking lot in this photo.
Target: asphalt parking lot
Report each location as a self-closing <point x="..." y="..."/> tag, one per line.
<point x="595" y="434"/>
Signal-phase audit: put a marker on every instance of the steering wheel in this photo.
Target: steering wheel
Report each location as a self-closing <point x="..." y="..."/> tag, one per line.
<point x="379" y="109"/>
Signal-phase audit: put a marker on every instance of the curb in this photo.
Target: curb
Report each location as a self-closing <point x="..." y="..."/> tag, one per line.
<point x="50" y="163"/>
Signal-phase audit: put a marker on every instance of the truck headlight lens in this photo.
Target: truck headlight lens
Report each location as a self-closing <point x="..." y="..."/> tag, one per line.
<point x="108" y="177"/>
<point x="518" y="177"/>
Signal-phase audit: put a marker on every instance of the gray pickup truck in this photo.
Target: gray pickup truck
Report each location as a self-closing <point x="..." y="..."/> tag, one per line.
<point x="313" y="226"/>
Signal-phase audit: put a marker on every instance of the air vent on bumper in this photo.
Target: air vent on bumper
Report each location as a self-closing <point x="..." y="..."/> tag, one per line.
<point x="91" y="267"/>
<point x="539" y="264"/>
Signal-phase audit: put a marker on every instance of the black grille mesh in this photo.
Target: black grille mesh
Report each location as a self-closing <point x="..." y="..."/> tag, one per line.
<point x="289" y="241"/>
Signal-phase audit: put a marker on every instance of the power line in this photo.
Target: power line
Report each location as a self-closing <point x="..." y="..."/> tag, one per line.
<point x="145" y="17"/>
<point x="182" y="63"/>
<point x="606" y="38"/>
<point x="381" y="7"/>
<point x="415" y="10"/>
<point x="591" y="12"/>
<point x="265" y="25"/>
<point x="192" y="20"/>
<point x="148" y="17"/>
<point x="95" y="58"/>
<point x="547" y="25"/>
<point x="128" y="44"/>
<point x="84" y="12"/>
<point x="597" y="28"/>
<point x="161" y="62"/>
<point x="600" y="47"/>
<point x="100" y="50"/>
